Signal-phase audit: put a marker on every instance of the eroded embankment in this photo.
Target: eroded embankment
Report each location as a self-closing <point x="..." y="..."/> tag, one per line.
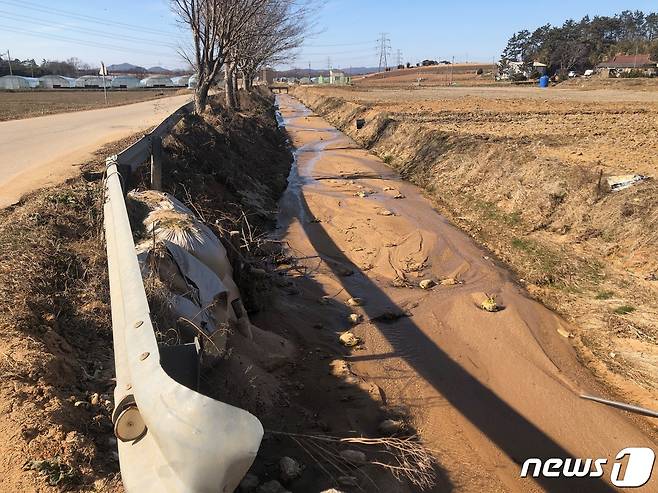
<point x="588" y="253"/>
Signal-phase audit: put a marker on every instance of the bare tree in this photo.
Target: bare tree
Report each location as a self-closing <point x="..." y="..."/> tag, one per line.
<point x="216" y="27"/>
<point x="273" y="36"/>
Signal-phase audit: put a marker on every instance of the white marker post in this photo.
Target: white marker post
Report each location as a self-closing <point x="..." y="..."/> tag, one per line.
<point x="103" y="73"/>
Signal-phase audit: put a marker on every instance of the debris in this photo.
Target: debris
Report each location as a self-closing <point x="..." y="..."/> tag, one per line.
<point x="353" y="456"/>
<point x="490" y="305"/>
<point x="450" y="281"/>
<point x="361" y="194"/>
<point x="332" y="490"/>
<point x="325" y="300"/>
<point x="426" y="284"/>
<point x="355" y="318"/>
<point x="290" y="469"/>
<point x="391" y="426"/>
<point x="95" y="399"/>
<point x="348" y="339"/>
<point x="249" y="483"/>
<point x="620" y="182"/>
<point x="355" y="302"/>
<point x="389" y="189"/>
<point x="399" y="196"/>
<point x="385" y="212"/>
<point x="564" y="333"/>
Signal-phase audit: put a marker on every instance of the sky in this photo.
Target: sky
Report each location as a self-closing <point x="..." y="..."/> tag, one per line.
<point x="145" y="32"/>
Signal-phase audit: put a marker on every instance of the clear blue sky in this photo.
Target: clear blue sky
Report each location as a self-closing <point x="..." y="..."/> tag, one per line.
<point x="144" y="32"/>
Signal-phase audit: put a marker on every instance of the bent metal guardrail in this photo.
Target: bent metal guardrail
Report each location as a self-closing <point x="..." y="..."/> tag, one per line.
<point x="171" y="438"/>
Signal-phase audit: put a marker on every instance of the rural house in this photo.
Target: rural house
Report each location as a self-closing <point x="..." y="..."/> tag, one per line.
<point x="626" y="63"/>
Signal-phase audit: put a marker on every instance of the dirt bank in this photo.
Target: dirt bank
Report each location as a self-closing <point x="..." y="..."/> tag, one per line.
<point x="56" y="360"/>
<point x="485" y="389"/>
<point x="522" y="177"/>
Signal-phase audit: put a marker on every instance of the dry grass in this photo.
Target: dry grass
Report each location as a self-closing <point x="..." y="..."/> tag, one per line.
<point x="405" y="458"/>
<point x="28" y="104"/>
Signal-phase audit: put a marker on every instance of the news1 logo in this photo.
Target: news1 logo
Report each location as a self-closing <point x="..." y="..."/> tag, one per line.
<point x="639" y="465"/>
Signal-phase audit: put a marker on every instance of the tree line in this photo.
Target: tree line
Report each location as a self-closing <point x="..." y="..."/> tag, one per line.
<point x="72" y="67"/>
<point x="581" y="45"/>
<point x="233" y="39"/>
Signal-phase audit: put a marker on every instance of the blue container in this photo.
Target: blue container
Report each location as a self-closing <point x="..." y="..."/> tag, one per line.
<point x="543" y="81"/>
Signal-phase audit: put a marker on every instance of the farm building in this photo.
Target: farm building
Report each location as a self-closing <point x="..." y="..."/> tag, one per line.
<point x="14" y="82"/>
<point x="125" y="82"/>
<point x="55" y="82"/>
<point x="181" y="80"/>
<point x="92" y="81"/>
<point x="156" y="81"/>
<point x="627" y="63"/>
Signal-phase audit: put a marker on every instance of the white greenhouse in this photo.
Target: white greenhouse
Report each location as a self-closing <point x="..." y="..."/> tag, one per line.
<point x="193" y="81"/>
<point x="156" y="81"/>
<point x="55" y="82"/>
<point x="93" y="81"/>
<point x="125" y="82"/>
<point x="14" y="82"/>
<point x="181" y="80"/>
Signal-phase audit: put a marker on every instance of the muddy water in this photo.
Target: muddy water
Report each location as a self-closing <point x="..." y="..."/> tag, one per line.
<point x="485" y="390"/>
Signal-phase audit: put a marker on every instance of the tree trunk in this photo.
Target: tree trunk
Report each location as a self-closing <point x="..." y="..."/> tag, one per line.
<point x="229" y="88"/>
<point x="201" y="96"/>
<point x="236" y="94"/>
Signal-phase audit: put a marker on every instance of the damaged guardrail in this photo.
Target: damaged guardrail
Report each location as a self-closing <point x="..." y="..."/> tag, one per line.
<point x="171" y="437"/>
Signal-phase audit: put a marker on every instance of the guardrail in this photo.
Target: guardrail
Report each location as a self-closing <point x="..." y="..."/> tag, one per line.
<point x="171" y="437"/>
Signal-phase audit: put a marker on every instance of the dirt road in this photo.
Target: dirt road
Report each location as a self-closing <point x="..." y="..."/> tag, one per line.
<point x="39" y="151"/>
<point x="485" y="390"/>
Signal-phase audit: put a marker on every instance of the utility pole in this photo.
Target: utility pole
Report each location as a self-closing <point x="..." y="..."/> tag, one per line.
<point x="398" y="54"/>
<point x="9" y="58"/>
<point x="383" y="45"/>
<point x="309" y="71"/>
<point x="452" y="65"/>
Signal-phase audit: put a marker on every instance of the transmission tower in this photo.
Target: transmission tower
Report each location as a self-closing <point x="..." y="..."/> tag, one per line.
<point x="398" y="57"/>
<point x="384" y="48"/>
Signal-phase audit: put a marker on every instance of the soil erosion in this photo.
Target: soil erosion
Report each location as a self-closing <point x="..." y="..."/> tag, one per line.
<point x="485" y="389"/>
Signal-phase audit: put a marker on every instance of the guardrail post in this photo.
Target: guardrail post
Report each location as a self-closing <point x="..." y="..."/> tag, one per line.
<point x="156" y="163"/>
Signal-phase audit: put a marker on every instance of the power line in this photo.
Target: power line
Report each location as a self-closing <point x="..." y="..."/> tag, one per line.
<point x="83" y="42"/>
<point x="398" y="55"/>
<point x="384" y="47"/>
<point x="31" y="21"/>
<point x="88" y="18"/>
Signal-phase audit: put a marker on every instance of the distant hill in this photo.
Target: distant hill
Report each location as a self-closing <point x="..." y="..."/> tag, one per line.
<point x="158" y="70"/>
<point x="125" y="67"/>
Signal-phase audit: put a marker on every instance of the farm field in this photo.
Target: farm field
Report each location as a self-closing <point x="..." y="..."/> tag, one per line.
<point x="524" y="171"/>
<point x="28" y="104"/>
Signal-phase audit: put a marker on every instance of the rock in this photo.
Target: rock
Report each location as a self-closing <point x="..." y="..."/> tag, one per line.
<point x="385" y="212"/>
<point x="353" y="456"/>
<point x="348" y="481"/>
<point x="290" y="469"/>
<point x="355" y="318"/>
<point x="450" y="281"/>
<point x="399" y="196"/>
<point x="95" y="399"/>
<point x="332" y="490"/>
<point x="249" y="483"/>
<point x="272" y="487"/>
<point x="355" y="301"/>
<point x="391" y="426"/>
<point x="426" y="284"/>
<point x="348" y="339"/>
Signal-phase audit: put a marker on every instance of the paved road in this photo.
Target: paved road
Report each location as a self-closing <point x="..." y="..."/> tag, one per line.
<point x="41" y="151"/>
